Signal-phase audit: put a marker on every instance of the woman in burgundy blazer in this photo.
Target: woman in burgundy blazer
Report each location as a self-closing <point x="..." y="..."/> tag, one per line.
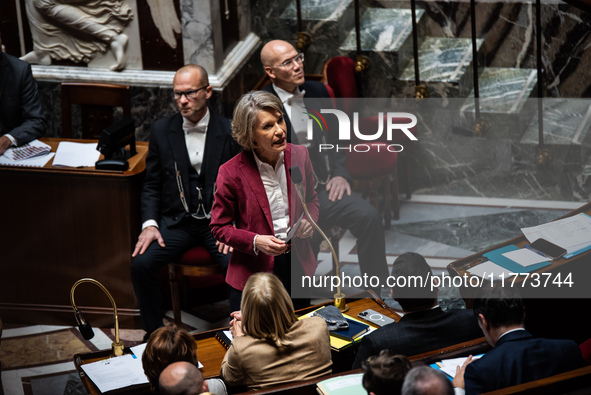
<point x="241" y="209"/>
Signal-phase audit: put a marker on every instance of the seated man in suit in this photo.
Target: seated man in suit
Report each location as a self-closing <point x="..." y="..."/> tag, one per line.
<point x="21" y="115"/>
<point x="517" y="357"/>
<point x="338" y="204"/>
<point x="423" y="380"/>
<point x="186" y="151"/>
<point x="424" y="326"/>
<point x="183" y="378"/>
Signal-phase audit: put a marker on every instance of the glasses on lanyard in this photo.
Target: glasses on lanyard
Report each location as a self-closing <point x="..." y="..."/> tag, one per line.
<point x="200" y="208"/>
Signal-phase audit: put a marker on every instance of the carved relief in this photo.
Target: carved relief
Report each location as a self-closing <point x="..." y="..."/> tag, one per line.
<point x="77" y="30"/>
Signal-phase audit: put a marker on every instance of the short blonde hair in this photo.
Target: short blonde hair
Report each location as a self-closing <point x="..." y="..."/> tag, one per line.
<point x="246" y="112"/>
<point x="267" y="309"/>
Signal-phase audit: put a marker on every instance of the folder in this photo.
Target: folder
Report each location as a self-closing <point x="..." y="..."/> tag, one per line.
<point x="497" y="257"/>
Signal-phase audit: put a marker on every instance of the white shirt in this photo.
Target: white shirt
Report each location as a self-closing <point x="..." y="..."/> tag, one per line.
<point x="195" y="134"/>
<point x="295" y="110"/>
<point x="275" y="183"/>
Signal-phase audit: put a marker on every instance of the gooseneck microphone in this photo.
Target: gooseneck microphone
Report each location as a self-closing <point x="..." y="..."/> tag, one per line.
<point x="297" y="179"/>
<point x="85" y="328"/>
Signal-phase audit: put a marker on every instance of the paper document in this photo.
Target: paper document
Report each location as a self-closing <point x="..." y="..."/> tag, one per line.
<point x="76" y="154"/>
<point x="525" y="257"/>
<point x="568" y="233"/>
<point x="138" y="351"/>
<point x="485" y="269"/>
<point x="294" y="229"/>
<point x="118" y="372"/>
<point x="448" y="366"/>
<point x="37" y="161"/>
<point x="27" y="151"/>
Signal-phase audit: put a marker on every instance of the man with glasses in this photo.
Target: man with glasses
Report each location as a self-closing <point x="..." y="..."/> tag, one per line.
<point x="338" y="204"/>
<point x="185" y="153"/>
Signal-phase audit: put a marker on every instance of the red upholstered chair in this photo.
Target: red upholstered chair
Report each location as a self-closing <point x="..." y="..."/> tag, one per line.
<point x="374" y="169"/>
<point x="339" y="73"/>
<point x="371" y="125"/>
<point x="586" y="351"/>
<point x="196" y="262"/>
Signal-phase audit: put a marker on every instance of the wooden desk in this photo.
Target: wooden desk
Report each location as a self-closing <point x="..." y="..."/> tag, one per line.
<point x="210" y="352"/>
<point x="63" y="224"/>
<point x="543" y="302"/>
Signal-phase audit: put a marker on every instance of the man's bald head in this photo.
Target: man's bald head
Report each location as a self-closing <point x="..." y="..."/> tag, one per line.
<point x="181" y="378"/>
<point x="273" y="55"/>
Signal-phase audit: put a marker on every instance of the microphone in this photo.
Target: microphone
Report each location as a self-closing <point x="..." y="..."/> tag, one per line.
<point x="297" y="179"/>
<point x="85" y="328"/>
<point x="83" y="325"/>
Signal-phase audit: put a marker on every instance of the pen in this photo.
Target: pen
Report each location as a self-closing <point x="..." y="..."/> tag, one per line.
<point x="536" y="251"/>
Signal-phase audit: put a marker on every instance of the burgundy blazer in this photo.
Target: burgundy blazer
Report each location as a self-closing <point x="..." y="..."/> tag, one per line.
<point x="241" y="211"/>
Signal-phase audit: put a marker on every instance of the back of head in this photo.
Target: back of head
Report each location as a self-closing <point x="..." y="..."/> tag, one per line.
<point x="267" y="310"/>
<point x="501" y="306"/>
<point x="384" y="374"/>
<point x="180" y="378"/>
<point x="423" y="380"/>
<point x="166" y="345"/>
<point x="412" y="288"/>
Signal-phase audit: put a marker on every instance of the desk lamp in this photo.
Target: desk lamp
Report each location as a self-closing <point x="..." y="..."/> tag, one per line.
<point x="296" y="178"/>
<point x="84" y="326"/>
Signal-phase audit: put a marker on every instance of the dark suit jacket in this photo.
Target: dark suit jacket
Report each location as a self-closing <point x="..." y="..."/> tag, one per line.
<point x="160" y="195"/>
<point x="420" y="332"/>
<point x="336" y="159"/>
<point x="21" y="113"/>
<point x="241" y="211"/>
<point x="518" y="358"/>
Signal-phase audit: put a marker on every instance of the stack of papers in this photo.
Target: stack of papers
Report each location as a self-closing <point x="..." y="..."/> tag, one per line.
<point x="448" y="366"/>
<point x="572" y="233"/>
<point x="34" y="154"/>
<point x="76" y="154"/>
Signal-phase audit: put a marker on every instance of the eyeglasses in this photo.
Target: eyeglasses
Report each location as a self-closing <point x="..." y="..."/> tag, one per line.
<point x="190" y="94"/>
<point x="299" y="59"/>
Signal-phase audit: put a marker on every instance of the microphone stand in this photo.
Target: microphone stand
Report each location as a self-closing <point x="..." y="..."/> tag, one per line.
<point x="339" y="297"/>
<point x="85" y="327"/>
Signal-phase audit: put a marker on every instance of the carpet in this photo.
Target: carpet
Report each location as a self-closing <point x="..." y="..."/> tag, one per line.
<point x="42" y="349"/>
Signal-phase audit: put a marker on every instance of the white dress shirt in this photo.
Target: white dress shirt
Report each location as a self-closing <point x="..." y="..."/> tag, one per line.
<point x="275" y="183"/>
<point x="195" y="134"/>
<point x="295" y="110"/>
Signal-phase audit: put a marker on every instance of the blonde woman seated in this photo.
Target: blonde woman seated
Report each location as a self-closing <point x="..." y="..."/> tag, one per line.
<point x="271" y="346"/>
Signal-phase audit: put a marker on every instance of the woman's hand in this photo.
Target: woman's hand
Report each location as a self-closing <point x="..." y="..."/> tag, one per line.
<point x="236" y="324"/>
<point x="270" y="245"/>
<point x="305" y="231"/>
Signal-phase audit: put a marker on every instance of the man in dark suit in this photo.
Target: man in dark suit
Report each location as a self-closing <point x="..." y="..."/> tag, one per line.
<point x="517" y="357"/>
<point x="424" y="326"/>
<point x="338" y="204"/>
<point x="185" y="153"/>
<point x="21" y="115"/>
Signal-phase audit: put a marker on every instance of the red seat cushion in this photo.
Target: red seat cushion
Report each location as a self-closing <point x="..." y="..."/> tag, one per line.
<point x="197" y="256"/>
<point x="376" y="162"/>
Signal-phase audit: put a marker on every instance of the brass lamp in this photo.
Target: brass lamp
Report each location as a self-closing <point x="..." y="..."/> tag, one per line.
<point x="85" y="327"/>
<point x="339" y="297"/>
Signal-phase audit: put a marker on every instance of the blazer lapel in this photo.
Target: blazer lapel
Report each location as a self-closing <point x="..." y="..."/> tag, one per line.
<point x="215" y="141"/>
<point x="252" y="178"/>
